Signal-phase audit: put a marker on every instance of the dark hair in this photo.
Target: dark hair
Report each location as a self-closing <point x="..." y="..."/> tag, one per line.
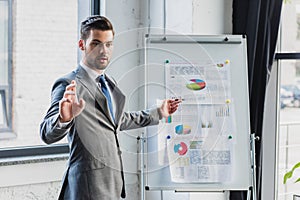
<point x="95" y="22"/>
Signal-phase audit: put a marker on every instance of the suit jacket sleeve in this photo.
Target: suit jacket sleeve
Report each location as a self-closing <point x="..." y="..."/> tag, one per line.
<point x="132" y="120"/>
<point x="50" y="132"/>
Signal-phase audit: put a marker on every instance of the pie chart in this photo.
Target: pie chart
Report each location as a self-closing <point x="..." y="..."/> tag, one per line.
<point x="196" y="84"/>
<point x="183" y="129"/>
<point x="180" y="148"/>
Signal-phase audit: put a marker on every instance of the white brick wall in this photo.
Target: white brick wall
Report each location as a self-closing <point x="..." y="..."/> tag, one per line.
<point x="44" y="191"/>
<point x="44" y="48"/>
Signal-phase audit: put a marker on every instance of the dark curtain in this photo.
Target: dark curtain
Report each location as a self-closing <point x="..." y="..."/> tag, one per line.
<point x="259" y="21"/>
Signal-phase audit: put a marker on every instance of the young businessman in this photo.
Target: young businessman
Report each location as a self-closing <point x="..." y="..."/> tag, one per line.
<point x="88" y="107"/>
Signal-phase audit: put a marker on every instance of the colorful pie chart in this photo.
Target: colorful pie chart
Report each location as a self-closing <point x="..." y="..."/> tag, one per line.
<point x="183" y="129"/>
<point x="196" y="84"/>
<point x="180" y="148"/>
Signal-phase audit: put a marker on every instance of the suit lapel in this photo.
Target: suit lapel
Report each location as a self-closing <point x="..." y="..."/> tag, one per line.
<point x="95" y="91"/>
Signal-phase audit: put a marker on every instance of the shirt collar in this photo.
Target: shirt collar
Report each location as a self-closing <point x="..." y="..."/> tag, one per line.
<point x="92" y="73"/>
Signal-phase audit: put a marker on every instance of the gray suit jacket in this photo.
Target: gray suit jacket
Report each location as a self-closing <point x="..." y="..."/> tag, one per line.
<point x="94" y="169"/>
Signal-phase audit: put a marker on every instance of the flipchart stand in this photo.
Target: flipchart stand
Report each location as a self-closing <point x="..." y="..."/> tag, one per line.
<point x="198" y="50"/>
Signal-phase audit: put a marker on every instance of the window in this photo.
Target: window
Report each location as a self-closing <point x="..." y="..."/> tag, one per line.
<point x="5" y="66"/>
<point x="289" y="113"/>
<point x="38" y="44"/>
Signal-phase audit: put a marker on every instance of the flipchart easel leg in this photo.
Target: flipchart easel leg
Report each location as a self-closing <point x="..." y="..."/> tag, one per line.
<point x="253" y="138"/>
<point x="141" y="142"/>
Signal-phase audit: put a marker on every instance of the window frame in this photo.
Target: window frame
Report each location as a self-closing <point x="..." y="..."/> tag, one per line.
<point x="279" y="57"/>
<point x="35" y="152"/>
<point x="6" y="91"/>
<point x="287" y="56"/>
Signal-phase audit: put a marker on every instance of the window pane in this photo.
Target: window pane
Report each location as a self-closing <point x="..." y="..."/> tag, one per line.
<point x="289" y="137"/>
<point x="44" y="48"/>
<point x="4" y="85"/>
<point x="290" y="27"/>
<point x="3" y="43"/>
<point x="289" y="115"/>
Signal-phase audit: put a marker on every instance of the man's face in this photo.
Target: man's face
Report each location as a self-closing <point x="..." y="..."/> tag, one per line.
<point x="97" y="49"/>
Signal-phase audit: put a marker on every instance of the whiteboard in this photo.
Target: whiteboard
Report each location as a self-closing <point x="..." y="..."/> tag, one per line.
<point x="161" y="50"/>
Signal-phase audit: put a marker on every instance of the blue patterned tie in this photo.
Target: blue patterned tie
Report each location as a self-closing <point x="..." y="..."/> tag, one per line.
<point x="107" y="95"/>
